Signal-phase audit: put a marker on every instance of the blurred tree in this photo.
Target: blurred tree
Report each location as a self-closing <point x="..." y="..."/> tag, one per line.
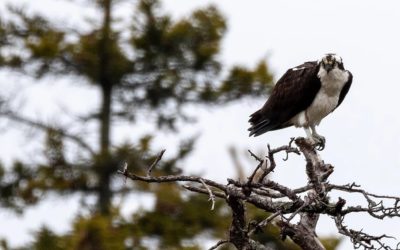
<point x="151" y="70"/>
<point x="156" y="67"/>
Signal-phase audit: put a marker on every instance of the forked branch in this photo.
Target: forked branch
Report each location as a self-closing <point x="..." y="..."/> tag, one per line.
<point x="308" y="202"/>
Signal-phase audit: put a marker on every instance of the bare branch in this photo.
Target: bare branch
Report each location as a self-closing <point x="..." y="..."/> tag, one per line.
<point x="359" y="238"/>
<point x="349" y="188"/>
<point x="255" y="156"/>
<point x="219" y="243"/>
<point x="156" y="161"/>
<point x="212" y="197"/>
<point x="270" y="158"/>
<point x="173" y="178"/>
<point x="265" y="222"/>
<point x="288" y="149"/>
<point x="270" y="197"/>
<point x="203" y="191"/>
<point x="285" y="191"/>
<point x="301" y="235"/>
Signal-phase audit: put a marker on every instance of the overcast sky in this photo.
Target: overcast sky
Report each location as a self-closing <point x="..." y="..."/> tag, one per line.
<point x="363" y="135"/>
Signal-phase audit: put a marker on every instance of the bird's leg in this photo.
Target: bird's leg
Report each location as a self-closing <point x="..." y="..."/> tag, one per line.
<point x="309" y="134"/>
<point x="318" y="138"/>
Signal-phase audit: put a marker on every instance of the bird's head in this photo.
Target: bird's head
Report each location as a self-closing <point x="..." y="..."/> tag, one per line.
<point x="331" y="61"/>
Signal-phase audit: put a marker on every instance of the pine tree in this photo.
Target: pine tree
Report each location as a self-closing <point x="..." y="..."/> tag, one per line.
<point x="155" y="66"/>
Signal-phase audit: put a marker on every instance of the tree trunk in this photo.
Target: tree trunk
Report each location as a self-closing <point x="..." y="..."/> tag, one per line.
<point x="105" y="120"/>
<point x="105" y="164"/>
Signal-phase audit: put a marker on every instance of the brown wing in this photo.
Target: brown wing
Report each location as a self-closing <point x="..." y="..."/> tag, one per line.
<point x="293" y="93"/>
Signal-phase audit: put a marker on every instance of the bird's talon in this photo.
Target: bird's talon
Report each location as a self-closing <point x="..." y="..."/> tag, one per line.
<point x="319" y="142"/>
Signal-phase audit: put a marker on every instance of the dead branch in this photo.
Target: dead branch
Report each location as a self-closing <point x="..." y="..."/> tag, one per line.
<point x="219" y="243"/>
<point x="308" y="202"/>
<point x="156" y="161"/>
<point x="264" y="223"/>
<point x="212" y="196"/>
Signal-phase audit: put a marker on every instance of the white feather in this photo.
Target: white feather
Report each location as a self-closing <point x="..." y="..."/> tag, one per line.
<point x="294" y="69"/>
<point x="326" y="99"/>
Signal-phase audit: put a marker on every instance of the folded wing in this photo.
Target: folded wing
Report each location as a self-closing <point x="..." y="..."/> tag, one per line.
<point x="293" y="93"/>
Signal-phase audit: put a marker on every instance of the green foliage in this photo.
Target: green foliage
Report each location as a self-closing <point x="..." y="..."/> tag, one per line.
<point x="175" y="218"/>
<point x="95" y="232"/>
<point x="86" y="59"/>
<point x="54" y="148"/>
<point x="242" y="82"/>
<point x="330" y="243"/>
<point x="174" y="63"/>
<point x="15" y="190"/>
<point x="46" y="239"/>
<point x="99" y="232"/>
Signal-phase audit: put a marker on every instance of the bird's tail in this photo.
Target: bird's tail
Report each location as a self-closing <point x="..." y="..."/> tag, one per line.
<point x="259" y="124"/>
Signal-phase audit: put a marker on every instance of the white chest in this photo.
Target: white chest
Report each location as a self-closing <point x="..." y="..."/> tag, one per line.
<point x="326" y="99"/>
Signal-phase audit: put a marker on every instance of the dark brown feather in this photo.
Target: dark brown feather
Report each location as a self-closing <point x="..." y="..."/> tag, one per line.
<point x="293" y="93"/>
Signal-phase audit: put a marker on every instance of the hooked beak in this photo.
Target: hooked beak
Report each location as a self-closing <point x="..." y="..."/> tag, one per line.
<point x="329" y="66"/>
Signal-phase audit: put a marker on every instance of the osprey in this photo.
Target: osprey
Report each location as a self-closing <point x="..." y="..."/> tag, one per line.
<point x="303" y="96"/>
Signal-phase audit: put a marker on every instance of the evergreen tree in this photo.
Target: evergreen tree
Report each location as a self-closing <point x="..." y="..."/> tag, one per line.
<point x="155" y="66"/>
<point x="159" y="69"/>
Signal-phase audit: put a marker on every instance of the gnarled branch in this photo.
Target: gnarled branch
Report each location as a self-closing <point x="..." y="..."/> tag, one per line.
<point x="308" y="202"/>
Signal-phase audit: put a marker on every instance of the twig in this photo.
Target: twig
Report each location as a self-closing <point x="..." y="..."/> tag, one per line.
<point x="359" y="238"/>
<point x="253" y="174"/>
<point x="288" y="149"/>
<point x="306" y="203"/>
<point x="271" y="152"/>
<point x="255" y="156"/>
<point x="285" y="191"/>
<point x="219" y="243"/>
<point x="159" y="157"/>
<point x="260" y="164"/>
<point x="173" y="178"/>
<point x="212" y="197"/>
<point x="204" y="191"/>
<point x="264" y="222"/>
<point x="267" y="195"/>
<point x="349" y="188"/>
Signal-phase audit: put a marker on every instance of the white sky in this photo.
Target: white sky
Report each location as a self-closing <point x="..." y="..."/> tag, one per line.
<point x="363" y="135"/>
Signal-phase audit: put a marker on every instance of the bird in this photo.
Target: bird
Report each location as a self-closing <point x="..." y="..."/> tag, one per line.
<point x="303" y="96"/>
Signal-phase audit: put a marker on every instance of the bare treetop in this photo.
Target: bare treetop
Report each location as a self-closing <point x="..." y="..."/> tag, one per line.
<point x="284" y="204"/>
